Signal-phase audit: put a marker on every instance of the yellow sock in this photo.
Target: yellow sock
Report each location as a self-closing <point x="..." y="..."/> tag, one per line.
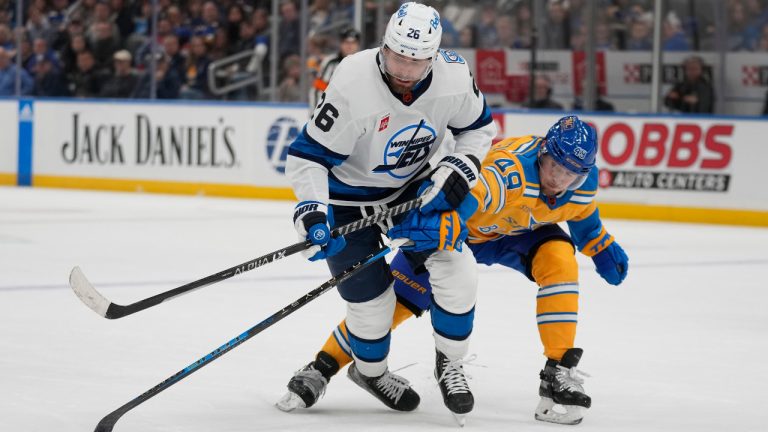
<point x="333" y="345"/>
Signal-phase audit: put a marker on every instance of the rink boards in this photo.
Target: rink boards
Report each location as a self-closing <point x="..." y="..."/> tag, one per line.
<point x="680" y="168"/>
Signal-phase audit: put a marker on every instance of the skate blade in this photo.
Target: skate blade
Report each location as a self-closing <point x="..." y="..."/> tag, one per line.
<point x="548" y="411"/>
<point x="289" y="402"/>
<point x="461" y="419"/>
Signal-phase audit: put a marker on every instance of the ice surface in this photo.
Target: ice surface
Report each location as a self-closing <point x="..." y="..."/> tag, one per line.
<point x="680" y="346"/>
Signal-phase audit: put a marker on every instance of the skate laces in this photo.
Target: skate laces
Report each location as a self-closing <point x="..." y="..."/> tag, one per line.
<point x="453" y="375"/>
<point x="393" y="386"/>
<point x="313" y="379"/>
<point x="571" y="379"/>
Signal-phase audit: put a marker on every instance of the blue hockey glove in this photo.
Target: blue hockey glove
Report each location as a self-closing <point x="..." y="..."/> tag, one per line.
<point x="312" y="220"/>
<point x="451" y="181"/>
<point x="441" y="231"/>
<point x="612" y="264"/>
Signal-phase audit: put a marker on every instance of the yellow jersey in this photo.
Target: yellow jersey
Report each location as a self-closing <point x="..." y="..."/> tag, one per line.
<point x="510" y="201"/>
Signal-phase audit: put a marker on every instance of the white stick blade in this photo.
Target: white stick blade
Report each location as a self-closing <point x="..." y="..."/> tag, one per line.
<point x="87" y="293"/>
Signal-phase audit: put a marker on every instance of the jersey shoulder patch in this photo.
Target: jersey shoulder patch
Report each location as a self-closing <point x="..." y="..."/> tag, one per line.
<point x="451" y="56"/>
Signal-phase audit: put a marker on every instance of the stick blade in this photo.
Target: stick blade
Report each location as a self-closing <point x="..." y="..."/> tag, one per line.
<point x="87" y="293"/>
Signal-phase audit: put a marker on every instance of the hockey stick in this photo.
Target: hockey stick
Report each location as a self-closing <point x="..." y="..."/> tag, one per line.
<point x="108" y="423"/>
<point x="99" y="304"/>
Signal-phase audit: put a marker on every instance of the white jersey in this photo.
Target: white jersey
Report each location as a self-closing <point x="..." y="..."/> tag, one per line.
<point x="364" y="142"/>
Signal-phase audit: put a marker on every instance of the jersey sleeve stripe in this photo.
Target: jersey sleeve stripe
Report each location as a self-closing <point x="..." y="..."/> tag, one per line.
<point x="581" y="199"/>
<point x="305" y="147"/>
<point x="487" y="199"/>
<point x="484" y="119"/>
<point x="527" y="146"/>
<point x="501" y="197"/>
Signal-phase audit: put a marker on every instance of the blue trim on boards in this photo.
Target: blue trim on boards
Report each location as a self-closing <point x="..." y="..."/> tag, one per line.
<point x="26" y="126"/>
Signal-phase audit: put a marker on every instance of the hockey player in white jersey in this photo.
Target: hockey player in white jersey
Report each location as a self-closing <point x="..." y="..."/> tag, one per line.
<point x="366" y="147"/>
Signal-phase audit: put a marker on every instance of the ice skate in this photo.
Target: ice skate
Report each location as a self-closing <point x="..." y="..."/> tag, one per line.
<point x="453" y="385"/>
<point x="563" y="399"/>
<point x="308" y="384"/>
<point x="393" y="390"/>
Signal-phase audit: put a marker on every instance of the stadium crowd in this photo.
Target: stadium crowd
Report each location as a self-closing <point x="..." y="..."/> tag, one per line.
<point x="102" y="48"/>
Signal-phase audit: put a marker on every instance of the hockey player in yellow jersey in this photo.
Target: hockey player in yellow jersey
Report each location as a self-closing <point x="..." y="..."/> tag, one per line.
<point x="527" y="186"/>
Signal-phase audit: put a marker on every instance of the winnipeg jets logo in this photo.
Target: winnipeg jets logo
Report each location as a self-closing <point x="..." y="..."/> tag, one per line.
<point x="407" y="150"/>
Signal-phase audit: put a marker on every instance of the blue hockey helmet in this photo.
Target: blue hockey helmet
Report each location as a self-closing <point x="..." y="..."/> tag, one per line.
<point x="573" y="145"/>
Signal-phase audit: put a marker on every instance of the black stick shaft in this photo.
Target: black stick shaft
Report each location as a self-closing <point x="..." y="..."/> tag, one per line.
<point x="118" y="311"/>
<point x="108" y="423"/>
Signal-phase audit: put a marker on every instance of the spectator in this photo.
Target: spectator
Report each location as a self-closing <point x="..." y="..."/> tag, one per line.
<point x="695" y="93"/>
<point x="103" y="43"/>
<point x="77" y="44"/>
<point x="102" y="14"/>
<point x="542" y="95"/>
<point x="235" y="17"/>
<point x="220" y="46"/>
<point x="124" y="79"/>
<point x="87" y="80"/>
<point x="506" y="32"/>
<point x="25" y="47"/>
<point x="37" y="24"/>
<point x="578" y="38"/>
<point x="261" y="45"/>
<point x="289" y="90"/>
<point x="674" y="37"/>
<point x="83" y="10"/>
<point x="524" y="18"/>
<point x="176" y="59"/>
<point x="6" y="38"/>
<point x="210" y="22"/>
<point x="604" y="39"/>
<point x="765" y="106"/>
<point x="64" y="36"/>
<point x="639" y="36"/>
<point x="290" y="34"/>
<point x="558" y="33"/>
<point x="196" y="70"/>
<point x="167" y="78"/>
<point x="319" y="15"/>
<point x="49" y="80"/>
<point x="762" y="45"/>
<point x="122" y="16"/>
<point x="450" y="37"/>
<point x="57" y="16"/>
<point x="485" y="30"/>
<point x="164" y="29"/>
<point x="8" y="73"/>
<point x="467" y="37"/>
<point x="195" y="13"/>
<point x="758" y="16"/>
<point x="40" y="51"/>
<point x="180" y="27"/>
<point x="349" y="44"/>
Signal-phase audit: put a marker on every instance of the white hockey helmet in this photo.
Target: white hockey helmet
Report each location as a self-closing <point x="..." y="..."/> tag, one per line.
<point x="414" y="31"/>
